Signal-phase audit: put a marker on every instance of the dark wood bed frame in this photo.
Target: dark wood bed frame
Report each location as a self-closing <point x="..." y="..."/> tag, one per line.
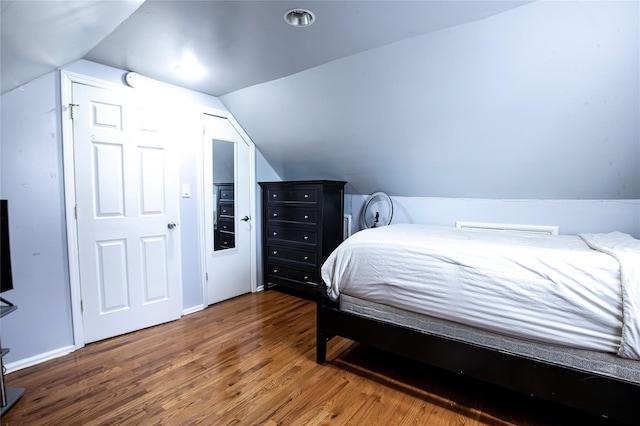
<point x="604" y="396"/>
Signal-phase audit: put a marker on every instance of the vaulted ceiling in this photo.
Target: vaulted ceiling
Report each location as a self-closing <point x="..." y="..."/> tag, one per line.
<point x="238" y="43"/>
<point x="430" y="98"/>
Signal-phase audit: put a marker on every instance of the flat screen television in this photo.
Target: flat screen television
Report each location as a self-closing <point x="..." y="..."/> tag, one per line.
<point x="6" y="277"/>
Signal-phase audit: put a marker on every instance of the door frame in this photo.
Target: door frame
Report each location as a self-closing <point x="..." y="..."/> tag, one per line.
<point x="67" y="79"/>
<point x="202" y="205"/>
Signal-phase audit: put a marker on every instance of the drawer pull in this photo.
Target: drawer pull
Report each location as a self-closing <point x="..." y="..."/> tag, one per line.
<point x="225" y="243"/>
<point x="306" y="277"/>
<point x="306" y="195"/>
<point x="275" y="195"/>
<point x="306" y="237"/>
<point x="275" y="233"/>
<point x="275" y="252"/>
<point x="275" y="215"/>
<point x="275" y="271"/>
<point x="306" y="258"/>
<point x="306" y="216"/>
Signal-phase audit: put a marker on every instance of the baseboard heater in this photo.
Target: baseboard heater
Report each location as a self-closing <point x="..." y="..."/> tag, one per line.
<point x="534" y="229"/>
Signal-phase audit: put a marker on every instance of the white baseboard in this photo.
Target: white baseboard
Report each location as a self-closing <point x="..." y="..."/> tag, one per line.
<point x="34" y="360"/>
<point x="193" y="310"/>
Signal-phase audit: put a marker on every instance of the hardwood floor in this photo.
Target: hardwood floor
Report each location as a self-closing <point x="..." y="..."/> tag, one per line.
<point x="251" y="360"/>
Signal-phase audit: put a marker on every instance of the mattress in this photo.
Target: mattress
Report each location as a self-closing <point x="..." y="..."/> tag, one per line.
<point x="550" y="289"/>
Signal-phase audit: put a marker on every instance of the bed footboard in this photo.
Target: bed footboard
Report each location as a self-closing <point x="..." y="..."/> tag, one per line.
<point x="593" y="393"/>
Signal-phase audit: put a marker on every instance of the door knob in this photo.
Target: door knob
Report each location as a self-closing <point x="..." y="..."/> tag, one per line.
<point x="245" y="219"/>
<point x="171" y="225"/>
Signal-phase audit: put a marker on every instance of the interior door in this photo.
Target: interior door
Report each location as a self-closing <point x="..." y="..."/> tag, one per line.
<point x="127" y="212"/>
<point x="226" y="210"/>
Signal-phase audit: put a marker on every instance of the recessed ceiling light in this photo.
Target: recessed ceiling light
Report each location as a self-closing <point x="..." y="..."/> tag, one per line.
<point x="299" y="17"/>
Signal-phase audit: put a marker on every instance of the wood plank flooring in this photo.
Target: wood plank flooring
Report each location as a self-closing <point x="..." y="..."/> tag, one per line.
<point x="251" y="360"/>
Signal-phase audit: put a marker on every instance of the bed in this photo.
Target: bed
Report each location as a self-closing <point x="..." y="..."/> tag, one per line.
<point x="557" y="317"/>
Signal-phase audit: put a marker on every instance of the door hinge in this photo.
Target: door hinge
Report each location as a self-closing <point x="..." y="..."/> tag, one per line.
<point x="81" y="305"/>
<point x="75" y="211"/>
<point x="73" y="110"/>
<point x="206" y="276"/>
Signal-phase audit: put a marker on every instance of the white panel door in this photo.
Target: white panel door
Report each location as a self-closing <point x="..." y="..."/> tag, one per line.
<point x="126" y="195"/>
<point x="227" y="161"/>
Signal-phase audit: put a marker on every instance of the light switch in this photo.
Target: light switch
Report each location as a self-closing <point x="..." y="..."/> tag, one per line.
<point x="186" y="190"/>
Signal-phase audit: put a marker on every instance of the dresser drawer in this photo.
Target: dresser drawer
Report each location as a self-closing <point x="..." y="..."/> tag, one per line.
<point x="226" y="225"/>
<point x="281" y="253"/>
<point x="227" y="241"/>
<point x="292" y="214"/>
<point x="226" y="194"/>
<point x="277" y="272"/>
<point x="226" y="209"/>
<point x="299" y="194"/>
<point x="296" y="235"/>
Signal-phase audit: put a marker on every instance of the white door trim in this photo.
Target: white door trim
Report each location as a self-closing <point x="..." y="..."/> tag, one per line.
<point x="252" y="201"/>
<point x="66" y="96"/>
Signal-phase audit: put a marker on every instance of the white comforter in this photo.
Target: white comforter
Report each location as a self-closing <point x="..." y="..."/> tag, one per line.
<point x="554" y="289"/>
<point x="627" y="251"/>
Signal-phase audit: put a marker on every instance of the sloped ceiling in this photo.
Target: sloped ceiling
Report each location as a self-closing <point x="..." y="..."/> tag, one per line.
<point x="239" y="43"/>
<point x="243" y="43"/>
<point x="431" y="98"/>
<point x="540" y="102"/>
<point x="37" y="37"/>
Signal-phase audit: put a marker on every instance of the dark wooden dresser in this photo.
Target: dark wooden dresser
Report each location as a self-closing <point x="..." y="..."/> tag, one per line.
<point x="301" y="226"/>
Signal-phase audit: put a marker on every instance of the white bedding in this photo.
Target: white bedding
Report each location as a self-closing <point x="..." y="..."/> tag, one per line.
<point x="554" y="289"/>
<point x="626" y="250"/>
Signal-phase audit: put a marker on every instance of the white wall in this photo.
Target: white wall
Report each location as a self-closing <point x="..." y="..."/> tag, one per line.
<point x="32" y="180"/>
<point x="572" y="216"/>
